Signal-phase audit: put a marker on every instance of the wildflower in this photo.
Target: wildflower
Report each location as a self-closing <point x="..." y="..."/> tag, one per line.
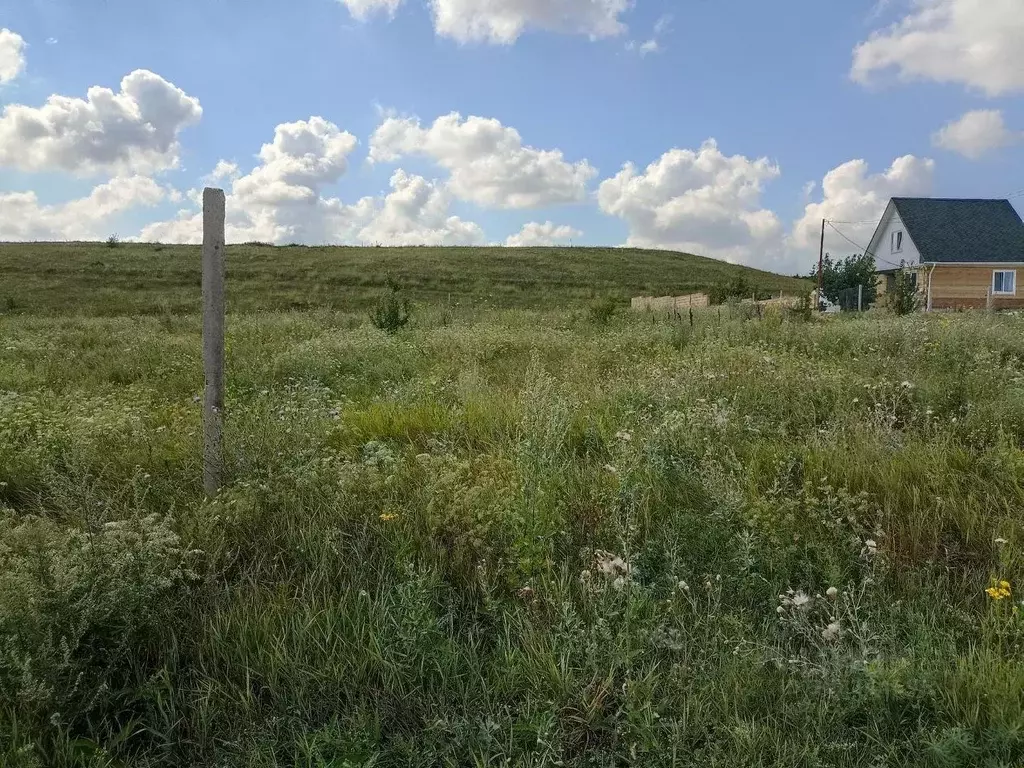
<point x="619" y="583"/>
<point x="624" y="436"/>
<point x="870" y="548"/>
<point x="856" y="400"/>
<point x="611" y="565"/>
<point x="526" y="593"/>
<point x="832" y="632"/>
<point x="585" y="576"/>
<point x="832" y="592"/>
<point x="610" y="469"/>
<point x="683" y="586"/>
<point x="907" y="385"/>
<point x="999" y="590"/>
<point x="387" y="517"/>
<point x="1000" y="541"/>
<point x="801" y="600"/>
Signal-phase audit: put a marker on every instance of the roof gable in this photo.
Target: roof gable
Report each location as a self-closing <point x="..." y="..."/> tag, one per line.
<point x="946" y="230"/>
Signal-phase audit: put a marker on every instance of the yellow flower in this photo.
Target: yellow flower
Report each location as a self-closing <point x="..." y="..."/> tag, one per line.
<point x="387" y="517"/>
<point x="999" y="590"/>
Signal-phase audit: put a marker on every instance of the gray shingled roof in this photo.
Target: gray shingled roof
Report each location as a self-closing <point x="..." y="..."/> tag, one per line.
<point x="963" y="230"/>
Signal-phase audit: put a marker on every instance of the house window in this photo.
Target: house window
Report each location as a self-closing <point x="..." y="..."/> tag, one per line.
<point x="897" y="242"/>
<point x="1004" y="281"/>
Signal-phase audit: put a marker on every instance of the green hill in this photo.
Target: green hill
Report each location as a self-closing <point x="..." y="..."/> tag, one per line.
<point x="143" y="278"/>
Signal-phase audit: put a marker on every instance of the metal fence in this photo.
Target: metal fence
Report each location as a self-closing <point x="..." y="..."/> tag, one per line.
<point x="852" y="299"/>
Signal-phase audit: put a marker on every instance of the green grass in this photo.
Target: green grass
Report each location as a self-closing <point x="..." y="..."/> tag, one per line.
<point x="512" y="537"/>
<point x="91" y="278"/>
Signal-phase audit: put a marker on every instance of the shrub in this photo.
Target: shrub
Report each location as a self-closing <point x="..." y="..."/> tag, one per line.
<point x="603" y="310"/>
<point x="802" y="311"/>
<point x="902" y="299"/>
<point x="392" y="311"/>
<point x="113" y="241"/>
<point x="82" y="613"/>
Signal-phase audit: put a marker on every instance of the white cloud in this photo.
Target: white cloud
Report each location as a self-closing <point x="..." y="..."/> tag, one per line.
<point x="223" y="171"/>
<point x="699" y="201"/>
<point x="363" y="9"/>
<point x="12" y="55"/>
<point x="88" y="218"/>
<point x="503" y="21"/>
<point x="282" y="199"/>
<point x="653" y="44"/>
<point x="535" y="234"/>
<point x="135" y="130"/>
<point x="973" y="42"/>
<point x="976" y="133"/>
<point x="855" y="200"/>
<point x="488" y="163"/>
<point x="415" y="212"/>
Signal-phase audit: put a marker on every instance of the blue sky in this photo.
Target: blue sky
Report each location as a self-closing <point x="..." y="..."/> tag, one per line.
<point x="789" y="92"/>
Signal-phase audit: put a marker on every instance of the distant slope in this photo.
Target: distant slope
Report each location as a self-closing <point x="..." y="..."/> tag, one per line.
<point x="90" y="278"/>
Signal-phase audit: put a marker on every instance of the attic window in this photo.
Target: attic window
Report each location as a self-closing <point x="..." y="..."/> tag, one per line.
<point x="897" y="242"/>
<point x="1004" y="282"/>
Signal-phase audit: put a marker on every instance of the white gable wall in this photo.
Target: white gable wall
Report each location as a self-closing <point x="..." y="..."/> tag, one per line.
<point x="884" y="257"/>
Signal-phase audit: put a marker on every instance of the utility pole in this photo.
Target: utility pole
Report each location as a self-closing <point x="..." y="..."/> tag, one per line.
<point x="821" y="254"/>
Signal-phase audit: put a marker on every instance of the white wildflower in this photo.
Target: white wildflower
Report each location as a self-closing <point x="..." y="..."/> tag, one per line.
<point x="610" y="468"/>
<point x="832" y="592"/>
<point x="624" y="436"/>
<point x="683" y="586"/>
<point x="832" y="632"/>
<point x="1000" y="541"/>
<point x="619" y="583"/>
<point x="800" y="600"/>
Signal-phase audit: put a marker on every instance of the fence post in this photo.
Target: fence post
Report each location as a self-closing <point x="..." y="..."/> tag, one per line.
<point x="860" y="298"/>
<point x="213" y="339"/>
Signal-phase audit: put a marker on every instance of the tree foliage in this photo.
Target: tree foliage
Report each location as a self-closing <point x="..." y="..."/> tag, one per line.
<point x="841" y="277"/>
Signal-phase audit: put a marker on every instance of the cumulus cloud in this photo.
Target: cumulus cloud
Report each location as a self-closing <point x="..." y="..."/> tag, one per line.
<point x="700" y="201"/>
<point x="488" y="163"/>
<point x="973" y="42"/>
<point x="88" y="218"/>
<point x="12" y="55"/>
<point x="536" y="234"/>
<point x="415" y="212"/>
<point x="132" y="131"/>
<point x="976" y="133"/>
<point x="855" y="199"/>
<point x="503" y="21"/>
<point x="282" y="199"/>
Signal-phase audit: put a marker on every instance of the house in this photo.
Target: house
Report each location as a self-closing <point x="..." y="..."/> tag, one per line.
<point x="961" y="253"/>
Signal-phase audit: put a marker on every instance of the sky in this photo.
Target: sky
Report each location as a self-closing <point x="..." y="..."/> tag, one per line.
<point x="726" y="128"/>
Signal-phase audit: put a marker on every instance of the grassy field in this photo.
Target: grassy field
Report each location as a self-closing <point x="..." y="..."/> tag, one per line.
<point x="90" y="278"/>
<point x="509" y="537"/>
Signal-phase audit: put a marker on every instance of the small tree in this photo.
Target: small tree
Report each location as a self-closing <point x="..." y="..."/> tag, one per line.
<point x="392" y="311"/>
<point x="839" y="279"/>
<point x="113" y="241"/>
<point x="902" y="298"/>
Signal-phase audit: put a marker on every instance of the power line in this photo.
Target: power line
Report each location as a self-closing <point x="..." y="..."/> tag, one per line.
<point x="861" y="247"/>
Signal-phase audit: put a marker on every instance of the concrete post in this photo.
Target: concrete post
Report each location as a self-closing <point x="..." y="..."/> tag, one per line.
<point x="213" y="339"/>
<point x="860" y="298"/>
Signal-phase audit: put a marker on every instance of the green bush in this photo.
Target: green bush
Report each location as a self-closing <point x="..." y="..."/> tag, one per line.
<point x="113" y="241"/>
<point x="392" y="311"/>
<point x="603" y="310"/>
<point x="902" y="298"/>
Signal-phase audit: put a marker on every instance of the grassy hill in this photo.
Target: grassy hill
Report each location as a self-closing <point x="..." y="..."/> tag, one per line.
<point x="90" y="278"/>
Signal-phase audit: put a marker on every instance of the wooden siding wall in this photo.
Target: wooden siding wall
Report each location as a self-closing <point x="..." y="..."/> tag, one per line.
<point x="959" y="286"/>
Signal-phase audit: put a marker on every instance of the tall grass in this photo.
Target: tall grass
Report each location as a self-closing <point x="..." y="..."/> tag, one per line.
<point x="514" y="538"/>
